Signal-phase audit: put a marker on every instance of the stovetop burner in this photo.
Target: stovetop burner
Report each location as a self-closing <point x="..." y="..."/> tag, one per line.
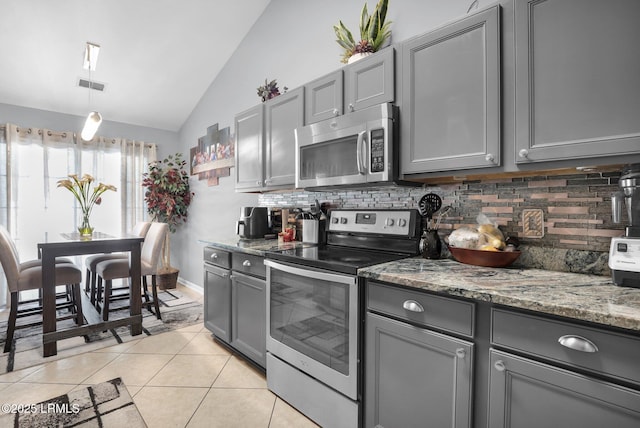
<point x="335" y="258"/>
<point x="360" y="238"/>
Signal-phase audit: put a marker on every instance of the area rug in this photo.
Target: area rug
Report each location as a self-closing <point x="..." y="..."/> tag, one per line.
<point x="106" y="404"/>
<point x="177" y="310"/>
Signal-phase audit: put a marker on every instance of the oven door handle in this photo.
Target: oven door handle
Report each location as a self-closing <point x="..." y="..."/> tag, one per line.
<point x="360" y="149"/>
<point x="323" y="276"/>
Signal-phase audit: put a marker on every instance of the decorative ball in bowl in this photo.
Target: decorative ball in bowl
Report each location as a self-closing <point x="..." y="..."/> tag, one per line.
<point x="497" y="259"/>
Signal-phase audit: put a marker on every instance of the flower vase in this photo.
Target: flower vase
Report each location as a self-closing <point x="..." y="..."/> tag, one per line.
<point x="85" y="228"/>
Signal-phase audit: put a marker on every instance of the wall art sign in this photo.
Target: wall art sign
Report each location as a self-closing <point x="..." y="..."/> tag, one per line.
<point x="214" y="155"/>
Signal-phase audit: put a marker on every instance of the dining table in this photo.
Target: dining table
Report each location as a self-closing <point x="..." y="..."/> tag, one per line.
<point x="73" y="244"/>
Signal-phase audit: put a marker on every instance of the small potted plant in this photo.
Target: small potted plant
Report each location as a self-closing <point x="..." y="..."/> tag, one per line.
<point x="374" y="32"/>
<point x="269" y="90"/>
<point x="168" y="197"/>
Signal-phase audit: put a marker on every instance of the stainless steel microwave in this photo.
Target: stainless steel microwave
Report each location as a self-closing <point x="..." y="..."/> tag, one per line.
<point x="353" y="150"/>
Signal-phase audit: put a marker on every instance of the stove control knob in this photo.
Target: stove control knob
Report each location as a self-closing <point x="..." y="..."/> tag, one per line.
<point x="334" y="220"/>
<point x="402" y="222"/>
<point x="389" y="222"/>
<point x="343" y="220"/>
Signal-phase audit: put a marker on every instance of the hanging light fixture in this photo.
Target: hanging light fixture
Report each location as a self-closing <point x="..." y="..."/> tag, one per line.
<point x="94" y="119"/>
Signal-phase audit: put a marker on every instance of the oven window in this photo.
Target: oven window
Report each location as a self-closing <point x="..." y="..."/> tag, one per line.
<point x="312" y="317"/>
<point x="336" y="158"/>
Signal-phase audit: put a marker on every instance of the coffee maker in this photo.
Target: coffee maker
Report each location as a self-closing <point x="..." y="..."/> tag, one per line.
<point x="253" y="223"/>
<point x="624" y="253"/>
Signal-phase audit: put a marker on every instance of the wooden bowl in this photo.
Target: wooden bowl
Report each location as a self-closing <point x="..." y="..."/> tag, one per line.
<point x="484" y="258"/>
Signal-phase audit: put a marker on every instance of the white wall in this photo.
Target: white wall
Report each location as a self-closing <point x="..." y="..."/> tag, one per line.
<point x="293" y="42"/>
<point x="28" y="117"/>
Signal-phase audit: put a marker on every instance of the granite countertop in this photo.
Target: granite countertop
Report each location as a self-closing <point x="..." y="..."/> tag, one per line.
<point x="257" y="247"/>
<point x="583" y="297"/>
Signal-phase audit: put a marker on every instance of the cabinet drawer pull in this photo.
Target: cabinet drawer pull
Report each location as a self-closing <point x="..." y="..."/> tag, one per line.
<point x="246" y="263"/>
<point x="413" y="306"/>
<point x="461" y="353"/>
<point x="577" y="343"/>
<point x="214" y="256"/>
<point x="499" y="365"/>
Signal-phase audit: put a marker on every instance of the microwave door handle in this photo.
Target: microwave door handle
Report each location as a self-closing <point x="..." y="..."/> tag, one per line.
<point x="359" y="152"/>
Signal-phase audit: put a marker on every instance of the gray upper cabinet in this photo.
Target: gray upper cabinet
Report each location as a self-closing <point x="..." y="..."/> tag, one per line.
<point x="362" y="84"/>
<point x="577" y="79"/>
<point x="323" y="98"/>
<point x="370" y="81"/>
<point x="451" y="96"/>
<point x="283" y="115"/>
<point x="249" y="126"/>
<point x="265" y="143"/>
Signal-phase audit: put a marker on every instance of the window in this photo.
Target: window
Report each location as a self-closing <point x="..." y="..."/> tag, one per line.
<point x="33" y="160"/>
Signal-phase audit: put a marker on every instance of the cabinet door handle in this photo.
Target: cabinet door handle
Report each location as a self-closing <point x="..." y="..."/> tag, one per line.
<point x="490" y="158"/>
<point x="413" y="306"/>
<point x="214" y="256"/>
<point x="351" y="107"/>
<point x="246" y="263"/>
<point x="524" y="153"/>
<point x="221" y="275"/>
<point x="336" y="112"/>
<point x="461" y="353"/>
<point x="577" y="343"/>
<point x="499" y="365"/>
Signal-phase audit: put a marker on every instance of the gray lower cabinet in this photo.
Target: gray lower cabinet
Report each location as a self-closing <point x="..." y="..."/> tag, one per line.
<point x="577" y="79"/>
<point x="451" y="96"/>
<point x="235" y="301"/>
<point x="248" y="316"/>
<point x="528" y="394"/>
<point x="414" y="377"/>
<point x="556" y="373"/>
<point x="217" y="299"/>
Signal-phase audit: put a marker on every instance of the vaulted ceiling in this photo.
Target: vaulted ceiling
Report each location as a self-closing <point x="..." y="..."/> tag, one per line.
<point x="156" y="60"/>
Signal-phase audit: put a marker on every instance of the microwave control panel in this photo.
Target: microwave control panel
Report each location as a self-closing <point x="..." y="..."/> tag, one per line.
<point x="377" y="150"/>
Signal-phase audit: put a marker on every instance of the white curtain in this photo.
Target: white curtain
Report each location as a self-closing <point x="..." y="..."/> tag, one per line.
<point x="33" y="160"/>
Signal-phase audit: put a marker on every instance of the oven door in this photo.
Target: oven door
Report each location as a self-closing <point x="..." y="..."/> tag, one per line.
<point x="312" y="323"/>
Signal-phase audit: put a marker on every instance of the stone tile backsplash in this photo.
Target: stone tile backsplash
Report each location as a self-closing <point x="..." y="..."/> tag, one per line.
<point x="576" y="213"/>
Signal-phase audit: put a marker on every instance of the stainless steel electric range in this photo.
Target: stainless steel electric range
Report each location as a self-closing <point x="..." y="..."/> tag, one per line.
<point x="314" y="311"/>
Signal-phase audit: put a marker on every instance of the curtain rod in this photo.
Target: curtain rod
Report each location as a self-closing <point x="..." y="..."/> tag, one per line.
<point x="64" y="135"/>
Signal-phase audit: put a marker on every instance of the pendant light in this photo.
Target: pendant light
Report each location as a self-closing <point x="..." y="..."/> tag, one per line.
<point x="94" y="119"/>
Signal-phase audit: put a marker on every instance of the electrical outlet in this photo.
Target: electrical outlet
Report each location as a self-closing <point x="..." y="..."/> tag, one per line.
<point x="532" y="223"/>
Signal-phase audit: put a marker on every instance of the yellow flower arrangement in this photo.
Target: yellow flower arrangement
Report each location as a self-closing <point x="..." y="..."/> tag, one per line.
<point x="81" y="189"/>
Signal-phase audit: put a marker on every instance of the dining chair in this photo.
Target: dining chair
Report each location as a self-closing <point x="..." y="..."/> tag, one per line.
<point x="140" y="229"/>
<point x="28" y="276"/>
<point x="109" y="270"/>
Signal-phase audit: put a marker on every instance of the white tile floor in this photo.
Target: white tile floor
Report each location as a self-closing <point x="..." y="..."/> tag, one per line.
<point x="181" y="378"/>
